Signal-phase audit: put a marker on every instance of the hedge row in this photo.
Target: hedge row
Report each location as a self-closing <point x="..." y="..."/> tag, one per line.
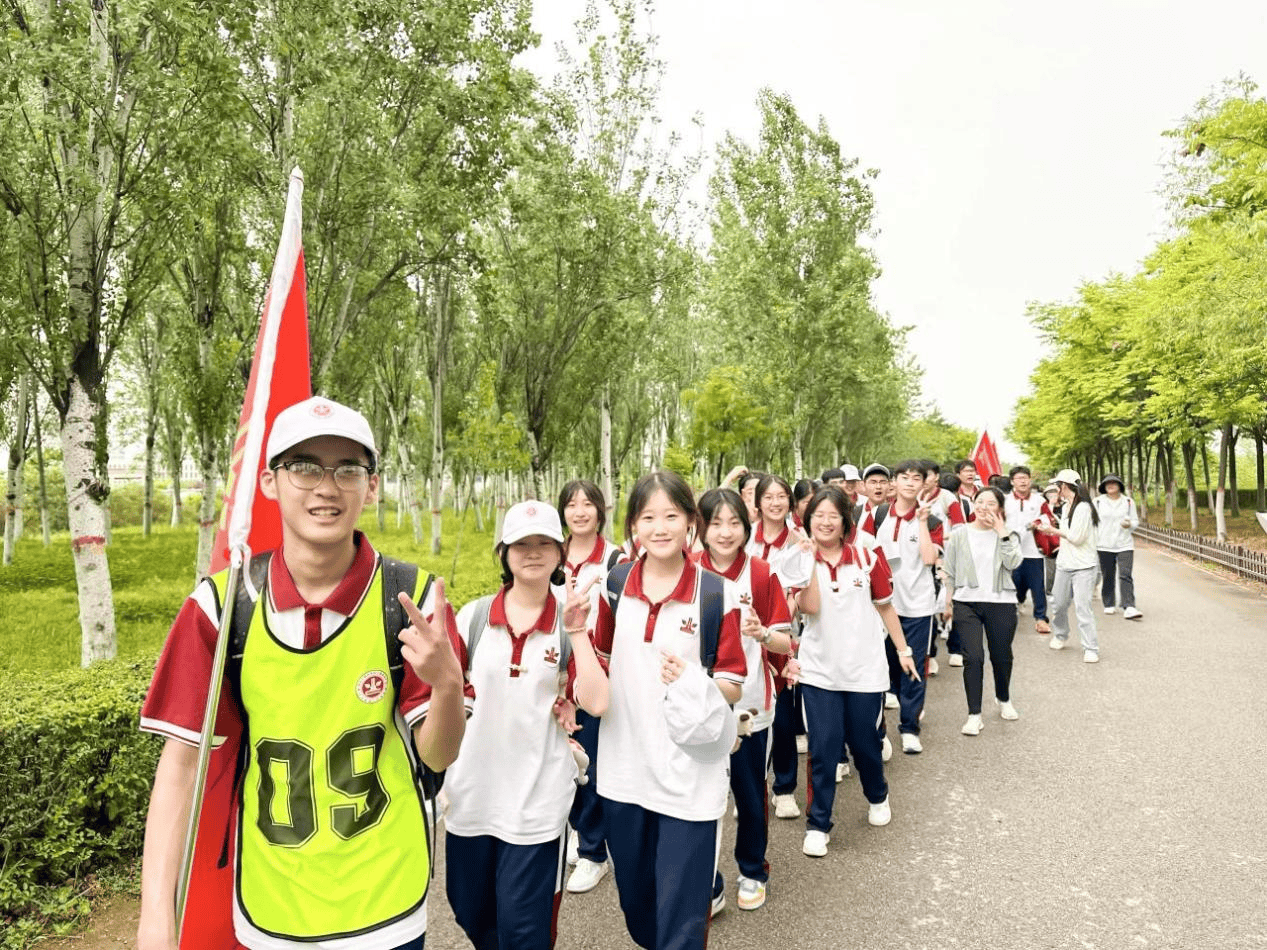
<point x="76" y="776"/>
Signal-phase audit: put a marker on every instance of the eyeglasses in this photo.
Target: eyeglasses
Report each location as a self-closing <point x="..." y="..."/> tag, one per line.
<point x="308" y="475"/>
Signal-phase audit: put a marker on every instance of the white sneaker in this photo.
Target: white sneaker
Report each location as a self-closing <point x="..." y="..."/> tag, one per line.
<point x="1007" y="710"/>
<point x="586" y="875"/>
<point x="880" y="814"/>
<point x="932" y="667"/>
<point x="955" y="659"/>
<point x="1056" y="643"/>
<point x="785" y="807"/>
<point x="719" y="903"/>
<point x="886" y="750"/>
<point x="911" y="744"/>
<point x="802" y="744"/>
<point x="574" y="848"/>
<point x="842" y="770"/>
<point x="973" y="726"/>
<point x="1132" y="613"/>
<point x="890" y="701"/>
<point x="1090" y="656"/>
<point x="1110" y="610"/>
<point x="815" y="844"/>
<point x="751" y="893"/>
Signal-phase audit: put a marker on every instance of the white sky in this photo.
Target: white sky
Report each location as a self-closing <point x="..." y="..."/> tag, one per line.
<point x="1019" y="145"/>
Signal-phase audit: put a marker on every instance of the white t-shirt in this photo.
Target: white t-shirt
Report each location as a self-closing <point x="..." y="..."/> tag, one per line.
<point x="983" y="545"/>
<point x="914" y="593"/>
<point x="1021" y="515"/>
<point x="842" y="646"/>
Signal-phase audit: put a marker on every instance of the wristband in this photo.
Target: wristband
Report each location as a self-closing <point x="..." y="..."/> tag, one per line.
<point x="766" y="636"/>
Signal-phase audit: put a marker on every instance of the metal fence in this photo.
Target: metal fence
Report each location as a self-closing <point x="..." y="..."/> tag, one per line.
<point x="1245" y="562"/>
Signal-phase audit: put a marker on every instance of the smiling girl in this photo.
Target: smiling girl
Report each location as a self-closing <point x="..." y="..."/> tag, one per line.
<point x="511" y="788"/>
<point x="841" y="664"/>
<point x="663" y="786"/>
<point x="767" y="640"/>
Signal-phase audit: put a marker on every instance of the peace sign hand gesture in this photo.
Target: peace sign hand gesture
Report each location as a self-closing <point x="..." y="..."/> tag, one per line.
<point x="576" y="610"/>
<point x="425" y="645"/>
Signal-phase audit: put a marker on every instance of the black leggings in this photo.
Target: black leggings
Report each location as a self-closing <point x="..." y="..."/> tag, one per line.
<point x="999" y="623"/>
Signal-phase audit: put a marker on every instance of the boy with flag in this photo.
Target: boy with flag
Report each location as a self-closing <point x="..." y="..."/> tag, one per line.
<point x="330" y="846"/>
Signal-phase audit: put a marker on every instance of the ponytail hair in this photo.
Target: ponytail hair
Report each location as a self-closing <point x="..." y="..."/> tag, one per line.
<point x="1081" y="495"/>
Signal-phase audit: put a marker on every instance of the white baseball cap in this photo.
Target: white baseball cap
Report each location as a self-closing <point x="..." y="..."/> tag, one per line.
<point x="700" y="721"/>
<point x="527" y="518"/>
<point x="315" y="417"/>
<point x="1068" y="476"/>
<point x="851" y="473"/>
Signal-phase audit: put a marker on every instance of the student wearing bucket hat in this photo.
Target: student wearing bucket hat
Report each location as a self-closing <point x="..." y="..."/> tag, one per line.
<point x="1115" y="541"/>
<point x="512" y="788"/>
<point x="1076" y="565"/>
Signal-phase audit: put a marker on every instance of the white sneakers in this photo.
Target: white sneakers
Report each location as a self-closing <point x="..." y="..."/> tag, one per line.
<point x="586" y="875"/>
<point x="1090" y="656"/>
<point x="973" y="726"/>
<point x="911" y="744"/>
<point x="802" y="744"/>
<point x="955" y="659"/>
<point x="719" y="904"/>
<point x="1007" y="710"/>
<point x="815" y="845"/>
<point x="890" y="701"/>
<point x="932" y="667"/>
<point x="842" y="769"/>
<point x="886" y="750"/>
<point x="1110" y="610"/>
<point x="1131" y="613"/>
<point x="880" y="814"/>
<point x="785" y="807"/>
<point x="751" y="893"/>
<point x="574" y="847"/>
<point x="1056" y="643"/>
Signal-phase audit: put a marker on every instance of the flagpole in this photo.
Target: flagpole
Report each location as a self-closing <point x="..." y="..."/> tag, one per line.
<point x="240" y="516"/>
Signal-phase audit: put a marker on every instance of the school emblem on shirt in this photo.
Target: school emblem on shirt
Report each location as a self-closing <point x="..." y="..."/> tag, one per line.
<point x="857" y="582"/>
<point x="745" y="599"/>
<point x="371" y="687"/>
<point x="552" y="657"/>
<point x="688" y="625"/>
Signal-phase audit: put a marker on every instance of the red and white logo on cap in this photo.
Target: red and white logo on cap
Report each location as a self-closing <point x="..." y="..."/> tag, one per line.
<point x="321" y="410"/>
<point x="532" y="511"/>
<point x="371" y="687"/>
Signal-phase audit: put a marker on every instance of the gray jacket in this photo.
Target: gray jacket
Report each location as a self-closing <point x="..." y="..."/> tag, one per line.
<point x="960" y="570"/>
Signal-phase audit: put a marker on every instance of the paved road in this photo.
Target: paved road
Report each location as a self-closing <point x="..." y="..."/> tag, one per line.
<point x="1127" y="808"/>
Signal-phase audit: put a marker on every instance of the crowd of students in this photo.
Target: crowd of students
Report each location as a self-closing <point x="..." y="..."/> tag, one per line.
<point x="616" y="698"/>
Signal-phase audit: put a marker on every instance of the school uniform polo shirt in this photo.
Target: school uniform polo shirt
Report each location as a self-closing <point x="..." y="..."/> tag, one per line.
<point x="759" y="588"/>
<point x="178" y="692"/>
<point x="1021" y="514"/>
<point x="842" y="646"/>
<point x="637" y="761"/>
<point x="515" y="776"/>
<point x="914" y="593"/>
<point x="582" y="572"/>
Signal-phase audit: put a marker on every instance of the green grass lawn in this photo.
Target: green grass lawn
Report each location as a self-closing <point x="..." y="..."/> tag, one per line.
<point x="151" y="576"/>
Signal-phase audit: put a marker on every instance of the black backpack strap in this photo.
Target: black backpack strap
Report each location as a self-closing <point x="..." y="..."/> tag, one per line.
<point x="614" y="558"/>
<point x="880" y="514"/>
<point x="712" y="606"/>
<point x="398" y="577"/>
<point x="479" y="623"/>
<point x="616" y="578"/>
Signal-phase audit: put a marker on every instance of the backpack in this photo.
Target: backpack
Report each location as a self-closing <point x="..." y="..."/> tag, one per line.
<point x="882" y="512"/>
<point x="712" y="606"/>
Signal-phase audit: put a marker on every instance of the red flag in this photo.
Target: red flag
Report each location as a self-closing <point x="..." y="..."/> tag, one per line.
<point x="986" y="457"/>
<point x="279" y="378"/>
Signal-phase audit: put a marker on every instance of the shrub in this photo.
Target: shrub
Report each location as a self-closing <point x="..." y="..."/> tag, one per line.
<point x="76" y="774"/>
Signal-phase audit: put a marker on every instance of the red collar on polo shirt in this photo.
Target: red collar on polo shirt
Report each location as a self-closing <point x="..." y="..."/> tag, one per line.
<point x="898" y="519"/>
<point x="777" y="542"/>
<point x="544" y="623"/>
<point x="846" y="558"/>
<point x="731" y="573"/>
<point x="595" y="557"/>
<point x="342" y="600"/>
<point x="683" y="593"/>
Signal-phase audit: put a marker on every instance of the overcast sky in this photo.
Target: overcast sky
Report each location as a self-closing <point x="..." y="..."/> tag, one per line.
<point x="1019" y="145"/>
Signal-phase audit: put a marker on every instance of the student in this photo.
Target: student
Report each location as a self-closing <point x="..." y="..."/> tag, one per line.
<point x="834" y="476"/>
<point x="841" y="664"/>
<point x="1051" y="494"/>
<point x="348" y="867"/>
<point x="665" y="740"/>
<point x="853" y="482"/>
<point x="1075" y="566"/>
<point x="767" y="641"/>
<point x="588" y="557"/>
<point x="875" y="487"/>
<point x="912" y="540"/>
<point x="1024" y="509"/>
<point x="802" y="492"/>
<point x="966" y="472"/>
<point x="1115" y="542"/>
<point x="510" y="790"/>
<point x="980" y="594"/>
<point x="748" y="483"/>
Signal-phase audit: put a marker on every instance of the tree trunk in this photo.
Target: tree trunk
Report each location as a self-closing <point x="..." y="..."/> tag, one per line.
<point x="1220" y="519"/>
<point x="207" y="523"/>
<point x="605" y="456"/>
<point x="13" y="476"/>
<point x="1233" y="438"/>
<point x="1169" y="479"/>
<point x="437" y="427"/>
<point x="798" y="455"/>
<point x="151" y="433"/>
<point x="1259" y="469"/>
<point x="39" y="465"/>
<point x="174" y="452"/>
<point x="503" y="487"/>
<point x="86" y="498"/>
<point x="1205" y="467"/>
<point x="1189" y="463"/>
<point x="476" y="504"/>
<point x="538" y="468"/>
